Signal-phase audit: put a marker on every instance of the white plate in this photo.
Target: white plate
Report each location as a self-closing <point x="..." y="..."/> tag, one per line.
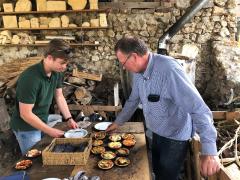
<point x="75" y="133"/>
<point x="102" y="126"/>
<point x="51" y="179"/>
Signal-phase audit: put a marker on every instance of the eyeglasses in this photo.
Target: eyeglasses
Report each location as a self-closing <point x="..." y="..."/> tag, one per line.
<point x="127" y="58"/>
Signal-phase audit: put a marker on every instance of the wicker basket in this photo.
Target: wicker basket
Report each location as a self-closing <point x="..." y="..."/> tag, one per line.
<point x="66" y="158"/>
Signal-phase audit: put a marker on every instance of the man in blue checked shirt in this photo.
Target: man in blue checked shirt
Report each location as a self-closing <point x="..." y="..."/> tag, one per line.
<point x="172" y="106"/>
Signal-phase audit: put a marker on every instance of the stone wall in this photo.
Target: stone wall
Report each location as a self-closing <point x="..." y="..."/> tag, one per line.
<point x="225" y="72"/>
<point x="213" y="23"/>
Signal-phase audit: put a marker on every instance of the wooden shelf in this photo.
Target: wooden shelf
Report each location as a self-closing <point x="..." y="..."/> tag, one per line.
<point x="60" y="28"/>
<point x="41" y="45"/>
<point x="47" y="12"/>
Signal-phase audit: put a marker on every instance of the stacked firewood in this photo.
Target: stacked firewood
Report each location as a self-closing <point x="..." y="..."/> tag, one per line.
<point x="228" y="141"/>
<point x="81" y="87"/>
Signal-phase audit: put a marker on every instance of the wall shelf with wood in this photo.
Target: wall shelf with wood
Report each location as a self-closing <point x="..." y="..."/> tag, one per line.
<point x="44" y="44"/>
<point x="66" y="11"/>
<point x="53" y="28"/>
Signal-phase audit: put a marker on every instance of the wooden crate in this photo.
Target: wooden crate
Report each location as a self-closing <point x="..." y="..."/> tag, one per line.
<point x="231" y="172"/>
<point x="66" y="158"/>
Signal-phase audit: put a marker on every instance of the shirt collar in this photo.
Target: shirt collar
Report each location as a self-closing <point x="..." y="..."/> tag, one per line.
<point x="147" y="73"/>
<point x="42" y="71"/>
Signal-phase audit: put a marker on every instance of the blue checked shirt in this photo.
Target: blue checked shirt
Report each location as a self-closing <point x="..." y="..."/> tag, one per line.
<point x="180" y="110"/>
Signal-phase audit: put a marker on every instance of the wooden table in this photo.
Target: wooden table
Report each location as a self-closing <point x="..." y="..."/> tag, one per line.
<point x="138" y="169"/>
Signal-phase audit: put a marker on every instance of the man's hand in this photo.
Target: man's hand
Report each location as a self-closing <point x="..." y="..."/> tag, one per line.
<point x="209" y="165"/>
<point x="55" y="133"/>
<point x="72" y="124"/>
<point x="112" y="127"/>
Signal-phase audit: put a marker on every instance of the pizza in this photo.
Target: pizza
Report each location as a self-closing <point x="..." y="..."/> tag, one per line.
<point x="123" y="152"/>
<point x="114" y="145"/>
<point x="97" y="142"/>
<point x="108" y="155"/>
<point x="115" y="137"/>
<point x="24" y="164"/>
<point x="99" y="135"/>
<point x="105" y="164"/>
<point x="98" y="150"/>
<point x="33" y="153"/>
<point x="129" y="142"/>
<point x="122" y="161"/>
<point x="128" y="136"/>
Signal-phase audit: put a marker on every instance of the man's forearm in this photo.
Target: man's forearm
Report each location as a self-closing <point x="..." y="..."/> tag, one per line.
<point x="63" y="107"/>
<point x="36" y="122"/>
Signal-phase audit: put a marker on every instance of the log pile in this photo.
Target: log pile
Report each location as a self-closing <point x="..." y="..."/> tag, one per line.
<point x="228" y="141"/>
<point x="81" y="87"/>
<point x="9" y="72"/>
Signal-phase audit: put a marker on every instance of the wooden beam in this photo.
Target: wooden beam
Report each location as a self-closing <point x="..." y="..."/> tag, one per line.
<point x="225" y="115"/>
<point x="134" y="5"/>
<point x="85" y="75"/>
<point x="75" y="107"/>
<point x="159" y="5"/>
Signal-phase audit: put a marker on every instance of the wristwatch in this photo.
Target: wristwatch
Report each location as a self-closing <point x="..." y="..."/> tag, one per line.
<point x="67" y="119"/>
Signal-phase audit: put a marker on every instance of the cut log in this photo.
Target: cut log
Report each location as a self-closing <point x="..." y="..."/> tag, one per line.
<point x="8" y="7"/>
<point x="93" y="4"/>
<point x="34" y="22"/>
<point x="65" y="21"/>
<point x="72" y="25"/>
<point x="7" y="33"/>
<point x="103" y="20"/>
<point x="94" y="22"/>
<point x="56" y="6"/>
<point x="55" y="22"/>
<point x="61" y="37"/>
<point x="24" y="24"/>
<point x="15" y="39"/>
<point x="10" y="21"/>
<point x="43" y="21"/>
<point x="41" y="5"/>
<point x="77" y="5"/>
<point x="225" y="115"/>
<point x="80" y="93"/>
<point x="76" y="80"/>
<point x="85" y="75"/>
<point x="86" y="24"/>
<point x="23" y="6"/>
<point x="42" y="41"/>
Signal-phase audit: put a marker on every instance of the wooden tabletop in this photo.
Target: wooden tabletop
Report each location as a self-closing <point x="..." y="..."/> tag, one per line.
<point x="138" y="168"/>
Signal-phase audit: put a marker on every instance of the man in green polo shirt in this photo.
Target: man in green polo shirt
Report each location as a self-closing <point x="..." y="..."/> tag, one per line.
<point x="36" y="87"/>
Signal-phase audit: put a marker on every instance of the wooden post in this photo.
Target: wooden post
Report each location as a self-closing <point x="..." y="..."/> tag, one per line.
<point x="195" y="143"/>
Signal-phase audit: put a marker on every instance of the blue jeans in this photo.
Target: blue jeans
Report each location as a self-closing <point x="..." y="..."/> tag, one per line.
<point x="27" y="139"/>
<point x="167" y="157"/>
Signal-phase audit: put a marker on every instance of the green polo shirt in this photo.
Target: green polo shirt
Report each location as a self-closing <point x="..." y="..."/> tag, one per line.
<point x="35" y="87"/>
